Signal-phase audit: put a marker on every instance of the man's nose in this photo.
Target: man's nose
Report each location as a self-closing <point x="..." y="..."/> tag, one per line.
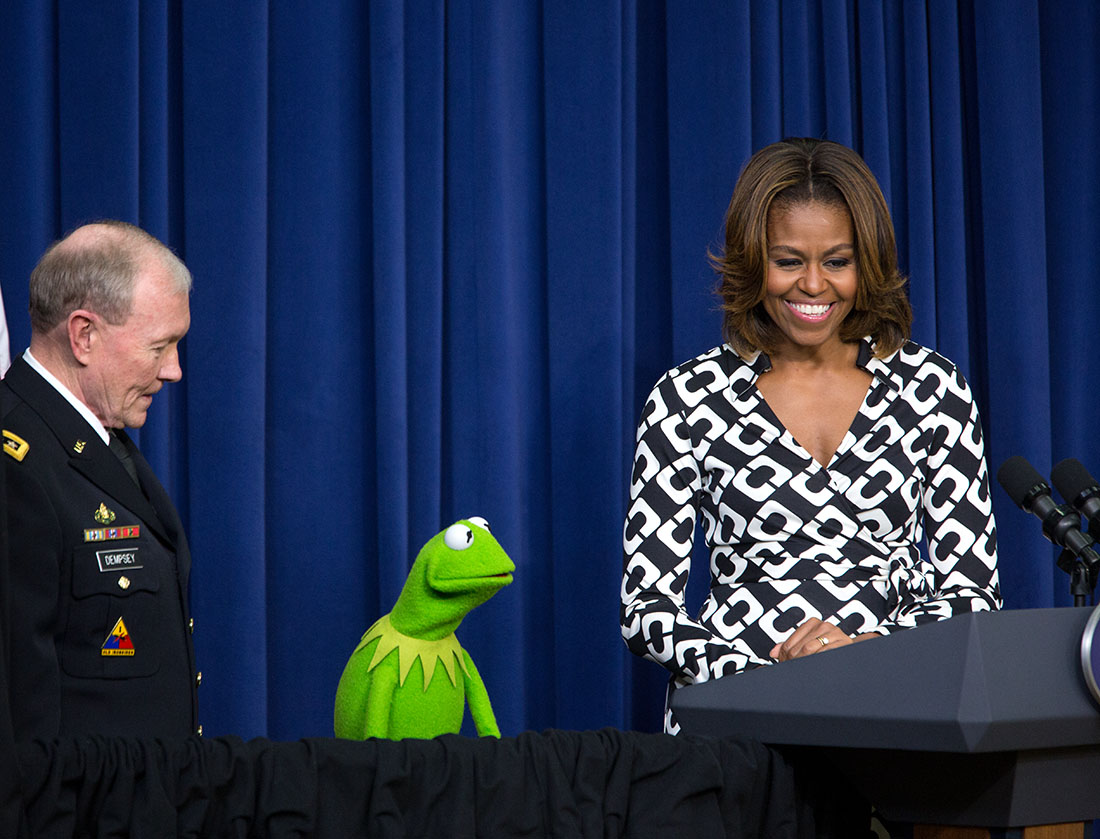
<point x="170" y="370"/>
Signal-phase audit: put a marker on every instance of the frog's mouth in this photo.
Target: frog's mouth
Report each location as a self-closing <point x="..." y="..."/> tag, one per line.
<point x="451" y="585"/>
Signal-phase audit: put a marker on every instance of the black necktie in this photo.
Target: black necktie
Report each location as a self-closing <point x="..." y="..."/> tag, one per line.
<point x="122" y="453"/>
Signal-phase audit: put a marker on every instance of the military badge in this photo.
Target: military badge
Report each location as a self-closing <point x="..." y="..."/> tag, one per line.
<point x="106" y="534"/>
<point x="103" y="515"/>
<point x="118" y="642"/>
<point x="15" y="445"/>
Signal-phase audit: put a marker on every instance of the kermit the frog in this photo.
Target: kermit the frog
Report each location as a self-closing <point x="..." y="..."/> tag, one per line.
<point x="408" y="677"/>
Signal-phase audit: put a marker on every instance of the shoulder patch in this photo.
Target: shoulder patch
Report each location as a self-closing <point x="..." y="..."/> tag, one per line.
<point x="15" y="445"/>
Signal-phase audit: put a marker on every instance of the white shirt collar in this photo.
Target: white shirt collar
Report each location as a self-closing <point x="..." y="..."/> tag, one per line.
<point x="80" y="407"/>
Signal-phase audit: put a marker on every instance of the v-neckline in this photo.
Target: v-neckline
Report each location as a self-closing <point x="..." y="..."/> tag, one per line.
<point x="848" y="435"/>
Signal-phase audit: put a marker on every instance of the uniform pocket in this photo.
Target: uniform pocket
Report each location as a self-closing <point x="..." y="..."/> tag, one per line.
<point x="112" y="614"/>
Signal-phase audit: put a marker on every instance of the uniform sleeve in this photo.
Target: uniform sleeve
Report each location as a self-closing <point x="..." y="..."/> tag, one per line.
<point x="958" y="514"/>
<point x="34" y="562"/>
<point x="657" y="545"/>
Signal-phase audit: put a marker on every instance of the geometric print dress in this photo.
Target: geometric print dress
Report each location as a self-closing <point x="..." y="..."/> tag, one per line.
<point x="790" y="539"/>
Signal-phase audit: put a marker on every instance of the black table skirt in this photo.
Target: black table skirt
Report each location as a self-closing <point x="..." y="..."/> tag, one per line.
<point x="604" y="784"/>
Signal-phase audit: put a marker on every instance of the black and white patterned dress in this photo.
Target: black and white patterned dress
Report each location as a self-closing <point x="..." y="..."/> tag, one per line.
<point x="789" y="539"/>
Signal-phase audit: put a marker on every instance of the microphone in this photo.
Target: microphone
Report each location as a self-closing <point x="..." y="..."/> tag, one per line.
<point x="1061" y="525"/>
<point x="1080" y="489"/>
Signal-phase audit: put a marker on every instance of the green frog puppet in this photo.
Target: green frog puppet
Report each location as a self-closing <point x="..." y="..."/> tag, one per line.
<point x="408" y="676"/>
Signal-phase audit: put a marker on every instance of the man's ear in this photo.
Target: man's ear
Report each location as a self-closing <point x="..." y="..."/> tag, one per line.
<point x="83" y="334"/>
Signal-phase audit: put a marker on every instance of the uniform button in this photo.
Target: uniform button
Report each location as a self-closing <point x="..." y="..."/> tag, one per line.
<point x="124" y="582"/>
<point x="198" y="679"/>
<point x="191" y="626"/>
<point x="199" y="732"/>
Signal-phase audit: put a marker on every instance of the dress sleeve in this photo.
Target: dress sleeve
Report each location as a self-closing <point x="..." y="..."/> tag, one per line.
<point x="657" y="546"/>
<point x="958" y="514"/>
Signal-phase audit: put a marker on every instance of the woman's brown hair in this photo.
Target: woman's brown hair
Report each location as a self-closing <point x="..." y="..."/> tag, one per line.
<point x="799" y="171"/>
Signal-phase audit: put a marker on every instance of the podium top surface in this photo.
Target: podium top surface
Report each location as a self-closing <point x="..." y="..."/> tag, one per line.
<point x="983" y="682"/>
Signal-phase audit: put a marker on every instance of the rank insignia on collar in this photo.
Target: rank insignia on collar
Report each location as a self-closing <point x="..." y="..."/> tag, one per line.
<point x="15" y="445"/>
<point x="78" y="446"/>
<point x="118" y="642"/>
<point x="103" y="515"/>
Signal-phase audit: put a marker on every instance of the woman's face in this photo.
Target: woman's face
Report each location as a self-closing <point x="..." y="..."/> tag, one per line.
<point x="811" y="275"/>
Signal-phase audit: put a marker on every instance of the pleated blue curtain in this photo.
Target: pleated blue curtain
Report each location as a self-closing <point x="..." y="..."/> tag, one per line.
<point x="1071" y="199"/>
<point x="442" y="251"/>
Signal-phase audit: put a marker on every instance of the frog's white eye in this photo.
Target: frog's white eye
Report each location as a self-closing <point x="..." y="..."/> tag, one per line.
<point x="480" y="522"/>
<point x="458" y="537"/>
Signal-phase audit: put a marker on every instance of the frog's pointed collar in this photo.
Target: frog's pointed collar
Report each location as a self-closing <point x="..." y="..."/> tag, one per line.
<point x="446" y="650"/>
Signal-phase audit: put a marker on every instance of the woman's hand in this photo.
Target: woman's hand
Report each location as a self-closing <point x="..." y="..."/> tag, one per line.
<point x="814" y="636"/>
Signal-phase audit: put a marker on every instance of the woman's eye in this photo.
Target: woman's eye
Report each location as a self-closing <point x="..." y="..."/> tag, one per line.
<point x="838" y="263"/>
<point x="788" y="263"/>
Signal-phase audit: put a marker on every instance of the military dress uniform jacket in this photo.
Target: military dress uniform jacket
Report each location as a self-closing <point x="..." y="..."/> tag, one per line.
<point x="101" y="635"/>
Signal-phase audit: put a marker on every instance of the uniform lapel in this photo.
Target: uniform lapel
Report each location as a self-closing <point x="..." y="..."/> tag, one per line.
<point x="88" y="454"/>
<point x="100" y="466"/>
<point x="154" y="490"/>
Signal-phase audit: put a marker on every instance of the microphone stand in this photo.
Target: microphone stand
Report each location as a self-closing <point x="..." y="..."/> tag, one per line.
<point x="1082" y="582"/>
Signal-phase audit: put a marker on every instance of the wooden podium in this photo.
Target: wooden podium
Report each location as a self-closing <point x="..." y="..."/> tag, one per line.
<point x="983" y="721"/>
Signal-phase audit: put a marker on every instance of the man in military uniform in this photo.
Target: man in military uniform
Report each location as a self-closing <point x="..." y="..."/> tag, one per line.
<point x="99" y="562"/>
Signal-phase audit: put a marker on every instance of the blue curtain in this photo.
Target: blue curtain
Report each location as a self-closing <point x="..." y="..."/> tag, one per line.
<point x="442" y="251"/>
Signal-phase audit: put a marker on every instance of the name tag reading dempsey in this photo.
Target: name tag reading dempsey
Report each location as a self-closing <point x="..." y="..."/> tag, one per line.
<point x="117" y="560"/>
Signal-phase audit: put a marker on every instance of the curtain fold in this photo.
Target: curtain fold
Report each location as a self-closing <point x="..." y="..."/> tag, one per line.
<point x="1017" y="288"/>
<point x="225" y="241"/>
<point x="1070" y="126"/>
<point x="442" y="252"/>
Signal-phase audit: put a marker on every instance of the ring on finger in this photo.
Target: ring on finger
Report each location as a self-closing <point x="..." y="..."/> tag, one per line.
<point x="823" y="640"/>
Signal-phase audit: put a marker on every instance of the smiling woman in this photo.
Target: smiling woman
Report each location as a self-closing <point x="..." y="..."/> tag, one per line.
<point x="806" y="172"/>
<point x="811" y="444"/>
<point x="811" y="279"/>
<point x="815" y="386"/>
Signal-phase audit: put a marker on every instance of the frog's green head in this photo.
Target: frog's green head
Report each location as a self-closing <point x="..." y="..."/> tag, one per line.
<point x="454" y="572"/>
<point x="466" y="558"/>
